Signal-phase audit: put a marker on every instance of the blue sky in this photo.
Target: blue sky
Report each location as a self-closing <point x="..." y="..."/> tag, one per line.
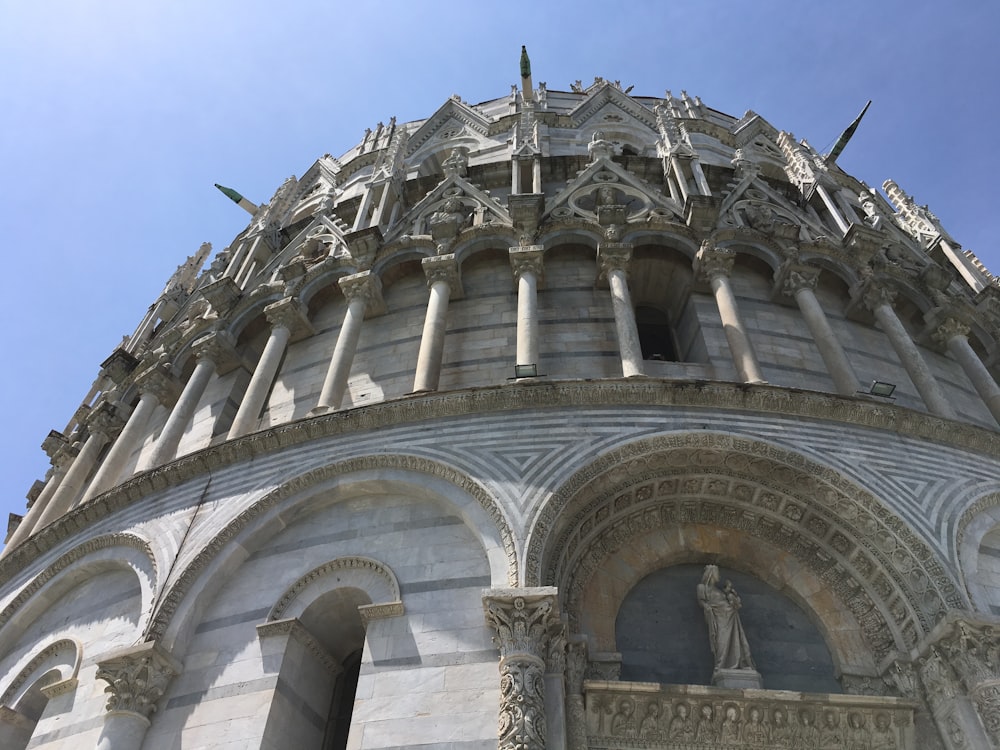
<point x="118" y="117"/>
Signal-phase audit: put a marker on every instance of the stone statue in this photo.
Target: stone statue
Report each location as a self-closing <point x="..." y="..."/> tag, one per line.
<point x="725" y="631"/>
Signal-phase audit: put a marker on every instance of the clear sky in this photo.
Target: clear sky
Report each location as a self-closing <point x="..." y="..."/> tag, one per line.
<point x="118" y="116"/>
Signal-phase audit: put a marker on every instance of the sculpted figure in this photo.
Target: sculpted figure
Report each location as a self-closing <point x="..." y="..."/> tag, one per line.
<point x="725" y="631"/>
<point x="883" y="738"/>
<point x="857" y="734"/>
<point x="730" y="732"/>
<point x="830" y="735"/>
<point x="807" y="734"/>
<point x="681" y="726"/>
<point x="707" y="732"/>
<point x="623" y="723"/>
<point x="650" y="726"/>
<point x="755" y="730"/>
<point x="781" y="732"/>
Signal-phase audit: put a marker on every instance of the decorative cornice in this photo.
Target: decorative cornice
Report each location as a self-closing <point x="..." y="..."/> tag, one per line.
<point x="695" y="394"/>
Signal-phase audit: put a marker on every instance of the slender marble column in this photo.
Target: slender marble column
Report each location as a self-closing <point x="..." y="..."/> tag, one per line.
<point x="800" y="283"/>
<point x="613" y="259"/>
<point x="443" y="279"/>
<point x="113" y="463"/>
<point x="214" y="352"/>
<point x="101" y="424"/>
<point x="526" y="263"/>
<point x="363" y="292"/>
<point x="288" y="319"/>
<point x="524" y="620"/>
<point x="62" y="454"/>
<point x="715" y="265"/>
<point x="879" y="301"/>
<point x="955" y="336"/>
<point x="137" y="677"/>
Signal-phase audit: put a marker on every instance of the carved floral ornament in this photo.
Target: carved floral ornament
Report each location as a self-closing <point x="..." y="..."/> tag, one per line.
<point x="137" y="678"/>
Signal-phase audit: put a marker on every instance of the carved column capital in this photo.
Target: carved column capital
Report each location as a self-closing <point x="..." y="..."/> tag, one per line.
<point x="873" y="295"/>
<point x="367" y="286"/>
<point x="613" y="256"/>
<point x="220" y="348"/>
<point x="526" y="260"/>
<point x="711" y="261"/>
<point x="799" y="277"/>
<point x="291" y="314"/>
<point x="137" y="677"/>
<point x="104" y="420"/>
<point x="525" y="620"/>
<point x="158" y="381"/>
<point x="444" y="268"/>
<point x="948" y="329"/>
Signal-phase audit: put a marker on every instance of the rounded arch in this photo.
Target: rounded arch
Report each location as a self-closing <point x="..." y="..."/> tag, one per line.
<point x="112" y="552"/>
<point x="750" y="243"/>
<point x="323" y="282"/>
<point x="402" y="255"/>
<point x="196" y="585"/>
<point x="673" y="242"/>
<point x="251" y="308"/>
<point x="374" y="578"/>
<point x="977" y="540"/>
<point x="570" y="232"/>
<point x="879" y="569"/>
<point x="58" y="662"/>
<point x="477" y="240"/>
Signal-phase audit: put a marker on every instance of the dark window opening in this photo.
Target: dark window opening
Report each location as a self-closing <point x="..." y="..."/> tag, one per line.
<point x="656" y="338"/>
<point x="338" y="725"/>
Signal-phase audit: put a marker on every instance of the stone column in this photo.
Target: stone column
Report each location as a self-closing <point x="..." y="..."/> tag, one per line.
<point x="954" y="335"/>
<point x="879" y="301"/>
<point x="62" y="455"/>
<point x="613" y="259"/>
<point x="287" y="318"/>
<point x="714" y="265"/>
<point x="363" y="292"/>
<point x="555" y="690"/>
<point x="576" y="712"/>
<point x="101" y="424"/>
<point x="114" y="462"/>
<point x="213" y="352"/>
<point x="137" y="677"/>
<point x="524" y="619"/>
<point x="800" y="283"/>
<point x="443" y="278"/>
<point x="526" y="263"/>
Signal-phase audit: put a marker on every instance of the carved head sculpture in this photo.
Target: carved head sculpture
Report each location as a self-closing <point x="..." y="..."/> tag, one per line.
<point x="711" y="575"/>
<point x="706" y="711"/>
<point x="882" y="722"/>
<point x="682" y="710"/>
<point x="732" y="713"/>
<point x="856" y="720"/>
<point x="805" y="717"/>
<point x="831" y="719"/>
<point x="625" y="706"/>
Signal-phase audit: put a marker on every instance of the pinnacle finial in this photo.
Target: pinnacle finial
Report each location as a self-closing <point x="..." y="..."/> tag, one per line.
<point x="527" y="87"/>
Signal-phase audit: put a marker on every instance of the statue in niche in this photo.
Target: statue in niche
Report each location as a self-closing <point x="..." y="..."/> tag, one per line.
<point x="725" y="631"/>
<point x="830" y="735"/>
<point x="883" y="738"/>
<point x="807" y="734"/>
<point x="649" y="728"/>
<point x="730" y="730"/>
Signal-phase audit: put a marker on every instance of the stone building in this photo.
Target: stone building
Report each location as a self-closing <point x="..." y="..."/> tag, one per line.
<point x="437" y="451"/>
